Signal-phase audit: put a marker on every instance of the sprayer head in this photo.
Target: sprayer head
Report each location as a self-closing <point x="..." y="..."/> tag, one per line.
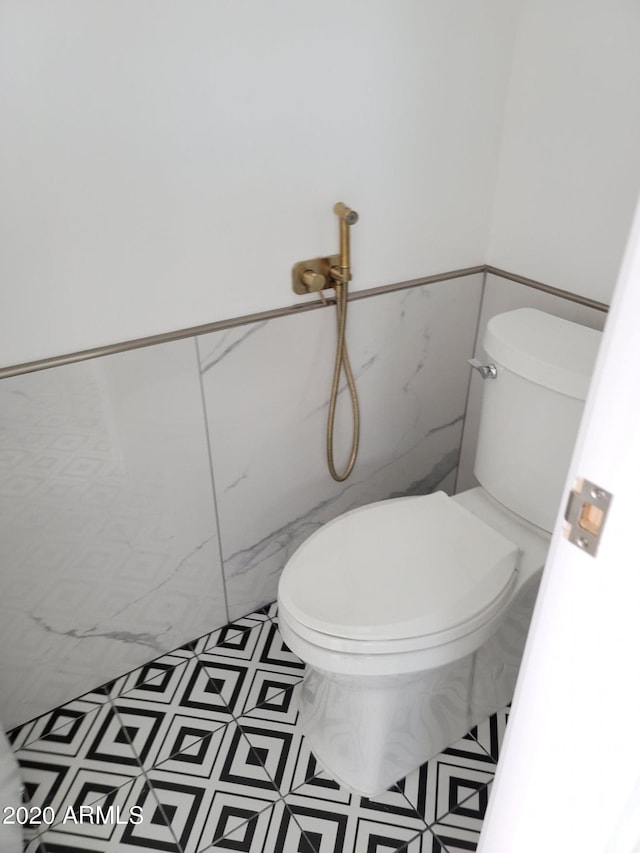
<point x="345" y="213"/>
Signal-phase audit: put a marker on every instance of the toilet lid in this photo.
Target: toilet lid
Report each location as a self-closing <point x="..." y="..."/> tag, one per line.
<point x="400" y="568"/>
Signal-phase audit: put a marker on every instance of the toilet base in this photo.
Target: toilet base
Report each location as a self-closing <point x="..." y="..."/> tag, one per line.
<point x="368" y="732"/>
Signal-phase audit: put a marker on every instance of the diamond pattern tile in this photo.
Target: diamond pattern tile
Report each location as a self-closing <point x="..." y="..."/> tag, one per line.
<point x="459" y="830"/>
<point x="438" y="786"/>
<point x="201" y="751"/>
<point x="490" y="733"/>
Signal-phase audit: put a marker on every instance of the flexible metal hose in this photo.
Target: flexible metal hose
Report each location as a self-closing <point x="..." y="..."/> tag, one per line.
<point x="342" y="362"/>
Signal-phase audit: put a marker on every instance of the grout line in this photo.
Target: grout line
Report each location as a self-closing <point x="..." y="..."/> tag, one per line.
<point x="470" y="377"/>
<point x="183" y="647"/>
<point x="405" y="846"/>
<point x="214" y="493"/>
<point x="215" y="843"/>
<point x="483" y="747"/>
<point x="310" y="843"/>
<point x="412" y="806"/>
<point x="466" y="799"/>
<point x="498" y="741"/>
<point x="29" y="740"/>
<point x="439" y="840"/>
<point x="31" y="722"/>
<point x="107" y="768"/>
<point x="456" y="807"/>
<point x="143" y="772"/>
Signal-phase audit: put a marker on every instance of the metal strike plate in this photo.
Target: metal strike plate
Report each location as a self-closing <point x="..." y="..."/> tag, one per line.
<point x="317" y="266"/>
<point x="586" y="514"/>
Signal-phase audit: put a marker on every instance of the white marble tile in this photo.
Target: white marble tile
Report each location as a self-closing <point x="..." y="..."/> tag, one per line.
<point x="266" y="391"/>
<point x="501" y="295"/>
<point x="109" y="546"/>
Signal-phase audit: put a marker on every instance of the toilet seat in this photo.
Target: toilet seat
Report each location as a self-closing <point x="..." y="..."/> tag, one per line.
<point x="401" y="575"/>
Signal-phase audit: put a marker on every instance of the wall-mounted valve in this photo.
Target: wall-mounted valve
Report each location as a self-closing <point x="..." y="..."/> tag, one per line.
<point x="319" y="273"/>
<point x="313" y="275"/>
<point x="313" y="281"/>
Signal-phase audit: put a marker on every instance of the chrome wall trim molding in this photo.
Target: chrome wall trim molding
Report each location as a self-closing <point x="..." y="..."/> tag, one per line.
<point x="547" y="288"/>
<point x="219" y="325"/>
<point x="415" y="282"/>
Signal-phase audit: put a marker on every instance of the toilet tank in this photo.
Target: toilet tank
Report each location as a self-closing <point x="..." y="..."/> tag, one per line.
<point x="532" y="409"/>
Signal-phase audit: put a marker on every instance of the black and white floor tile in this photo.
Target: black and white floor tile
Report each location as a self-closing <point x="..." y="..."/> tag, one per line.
<point x="200" y="751"/>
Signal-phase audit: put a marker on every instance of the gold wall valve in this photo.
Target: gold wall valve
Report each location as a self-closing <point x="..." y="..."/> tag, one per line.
<point x="313" y="275"/>
<point x="316" y="274"/>
<point x="313" y="281"/>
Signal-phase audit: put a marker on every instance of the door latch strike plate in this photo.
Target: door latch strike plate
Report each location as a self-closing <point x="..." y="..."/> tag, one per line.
<point x="586" y="514"/>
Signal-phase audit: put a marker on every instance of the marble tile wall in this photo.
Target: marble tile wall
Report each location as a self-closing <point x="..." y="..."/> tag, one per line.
<point x="150" y="496"/>
<point x="266" y="389"/>
<point x="109" y="552"/>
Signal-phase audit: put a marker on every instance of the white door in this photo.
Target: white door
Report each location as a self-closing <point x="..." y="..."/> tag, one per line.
<point x="569" y="775"/>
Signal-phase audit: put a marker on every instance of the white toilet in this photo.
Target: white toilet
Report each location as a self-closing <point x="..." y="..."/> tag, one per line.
<point x="411" y="614"/>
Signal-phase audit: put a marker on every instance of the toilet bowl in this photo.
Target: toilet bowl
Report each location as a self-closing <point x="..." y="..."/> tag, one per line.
<point x="389" y="615"/>
<point x="412" y="613"/>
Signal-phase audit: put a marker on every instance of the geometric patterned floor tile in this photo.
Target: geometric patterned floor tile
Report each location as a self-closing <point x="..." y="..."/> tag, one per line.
<point x="470" y="749"/>
<point x="262" y="645"/>
<point x="312" y="781"/>
<point x="490" y="733"/>
<point x="439" y="785"/>
<point x="248" y="673"/>
<point x="152" y="679"/>
<point x="231" y="773"/>
<point x="22" y="733"/>
<point x="348" y="822"/>
<point x="357" y="825"/>
<point x="181" y="805"/>
<point x="198" y="757"/>
<point x="130" y="819"/>
<point x="233" y="638"/>
<point x="282" y="750"/>
<point x="241" y="820"/>
<point x="209" y="684"/>
<point x="189" y="699"/>
<point x="189" y="745"/>
<point x="206" y="742"/>
<point x="270" y="696"/>
<point x="240" y="767"/>
<point x="54" y="766"/>
<point x="237" y="640"/>
<point x="88" y="811"/>
<point x="271" y="610"/>
<point x="460" y="829"/>
<point x="156" y="732"/>
<point x="274" y="652"/>
<point x="273" y="829"/>
<point x="292" y="831"/>
<point x="427" y="842"/>
<point x="57" y="722"/>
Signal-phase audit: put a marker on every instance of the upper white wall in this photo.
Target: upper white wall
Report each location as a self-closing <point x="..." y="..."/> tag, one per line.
<point x="164" y="163"/>
<point x="570" y="164"/>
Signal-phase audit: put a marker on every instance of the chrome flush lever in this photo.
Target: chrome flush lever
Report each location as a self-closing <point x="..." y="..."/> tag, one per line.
<point x="487" y="371"/>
